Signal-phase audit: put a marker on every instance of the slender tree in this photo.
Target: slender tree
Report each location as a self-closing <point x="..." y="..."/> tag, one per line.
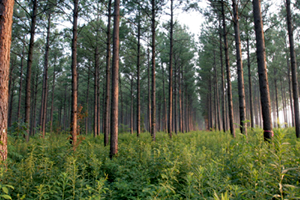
<point x="115" y="81"/>
<point x="294" y="68"/>
<point x="29" y="64"/>
<point x="241" y="89"/>
<point x="107" y="98"/>
<point x="74" y="77"/>
<point x="170" y="125"/>
<point x="229" y="89"/>
<point x="262" y="71"/>
<point x="153" y="106"/>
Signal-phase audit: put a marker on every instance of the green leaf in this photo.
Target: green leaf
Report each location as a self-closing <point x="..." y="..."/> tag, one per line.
<point x="5" y="196"/>
<point x="5" y="190"/>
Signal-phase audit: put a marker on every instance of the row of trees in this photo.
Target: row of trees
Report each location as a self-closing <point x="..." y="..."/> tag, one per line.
<point x="218" y="32"/>
<point x="59" y="83"/>
<point x="80" y="65"/>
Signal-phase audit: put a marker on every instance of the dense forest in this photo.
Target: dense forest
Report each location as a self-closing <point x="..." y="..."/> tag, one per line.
<point x="120" y="100"/>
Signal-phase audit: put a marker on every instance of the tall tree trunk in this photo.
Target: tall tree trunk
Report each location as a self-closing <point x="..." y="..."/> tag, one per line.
<point x="175" y="98"/>
<point x="98" y="107"/>
<point x="96" y="93"/>
<point x="107" y="99"/>
<point x="35" y="90"/>
<point x="165" y="118"/>
<point x="122" y="103"/>
<point x="241" y="89"/>
<point x="115" y="83"/>
<point x="138" y="113"/>
<point x="20" y="85"/>
<point x="294" y="69"/>
<point x="215" y="92"/>
<point x="149" y="92"/>
<point x="276" y="99"/>
<point x="290" y="91"/>
<point x="180" y="100"/>
<point x="74" y="78"/>
<point x="6" y="13"/>
<point x="153" y="106"/>
<point x="283" y="102"/>
<point x="52" y="101"/>
<point x="29" y="64"/>
<point x="170" y="125"/>
<point x="222" y="78"/>
<point x="10" y="91"/>
<point x="262" y="71"/>
<point x="131" y="105"/>
<point x="87" y="103"/>
<point x="250" y="82"/>
<point x="230" y="105"/>
<point x="45" y="80"/>
<point x="11" y="96"/>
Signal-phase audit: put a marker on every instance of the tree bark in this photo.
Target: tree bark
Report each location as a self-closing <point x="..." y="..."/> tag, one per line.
<point x="115" y="83"/>
<point x="153" y="106"/>
<point x="29" y="64"/>
<point x="294" y="68"/>
<point x="21" y="85"/>
<point x="96" y="93"/>
<point x="131" y="105"/>
<point x="149" y="92"/>
<point x="222" y="78"/>
<point x="107" y="98"/>
<point x="230" y="105"/>
<point x="138" y="113"/>
<point x="250" y="82"/>
<point x="87" y="103"/>
<point x="241" y="89"/>
<point x="74" y="78"/>
<point x="170" y="125"/>
<point x="262" y="71"/>
<point x="52" y="102"/>
<point x="45" y="80"/>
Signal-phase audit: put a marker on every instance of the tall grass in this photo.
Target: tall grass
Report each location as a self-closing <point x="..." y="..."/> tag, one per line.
<point x="196" y="165"/>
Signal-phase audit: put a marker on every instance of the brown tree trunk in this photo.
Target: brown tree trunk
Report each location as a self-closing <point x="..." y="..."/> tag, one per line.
<point x="241" y="89"/>
<point x="138" y="113"/>
<point x="29" y="63"/>
<point x="87" y="103"/>
<point x="96" y="93"/>
<point x="11" y="96"/>
<point x="230" y="105"/>
<point x="131" y="105"/>
<point x="222" y="78"/>
<point x="250" y="82"/>
<point x="35" y="90"/>
<point x="294" y="68"/>
<point x="180" y="100"/>
<point x="107" y="98"/>
<point x="45" y="80"/>
<point x="290" y="91"/>
<point x="149" y="92"/>
<point x="20" y="85"/>
<point x="276" y="99"/>
<point x="170" y="125"/>
<point x="175" y="98"/>
<point x="74" y="78"/>
<point x="262" y="71"/>
<point x="52" y="101"/>
<point x="115" y="83"/>
<point x="153" y="106"/>
<point x="165" y="118"/>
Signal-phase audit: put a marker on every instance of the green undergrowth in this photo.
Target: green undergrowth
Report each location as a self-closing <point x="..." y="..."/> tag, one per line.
<point x="195" y="165"/>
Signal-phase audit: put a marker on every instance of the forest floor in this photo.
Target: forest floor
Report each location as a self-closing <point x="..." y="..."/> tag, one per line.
<point x="195" y="165"/>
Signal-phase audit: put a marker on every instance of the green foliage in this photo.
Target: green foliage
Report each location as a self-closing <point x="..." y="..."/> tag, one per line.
<point x="196" y="165"/>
